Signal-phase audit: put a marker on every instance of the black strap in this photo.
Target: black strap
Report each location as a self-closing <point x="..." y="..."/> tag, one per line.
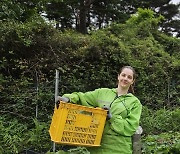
<point x="113" y="100"/>
<point x="123" y="102"/>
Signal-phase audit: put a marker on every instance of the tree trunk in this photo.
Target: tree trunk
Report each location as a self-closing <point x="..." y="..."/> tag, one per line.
<point x="84" y="7"/>
<point x="82" y="18"/>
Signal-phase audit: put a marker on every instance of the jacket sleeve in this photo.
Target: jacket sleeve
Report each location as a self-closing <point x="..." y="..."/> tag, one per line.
<point x="86" y="99"/>
<point x="127" y="126"/>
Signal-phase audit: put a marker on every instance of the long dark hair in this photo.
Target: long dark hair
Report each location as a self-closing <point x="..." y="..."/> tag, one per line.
<point x="131" y="88"/>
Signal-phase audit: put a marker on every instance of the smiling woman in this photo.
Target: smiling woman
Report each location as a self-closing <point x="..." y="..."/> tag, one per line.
<point x="124" y="111"/>
<point x="126" y="78"/>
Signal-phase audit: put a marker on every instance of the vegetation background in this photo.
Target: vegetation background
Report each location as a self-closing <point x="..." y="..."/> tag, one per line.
<point x="88" y="41"/>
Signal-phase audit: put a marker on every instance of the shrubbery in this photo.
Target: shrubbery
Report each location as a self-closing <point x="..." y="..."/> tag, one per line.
<point x="166" y="143"/>
<point x="31" y="51"/>
<point x="160" y="121"/>
<point x="160" y="133"/>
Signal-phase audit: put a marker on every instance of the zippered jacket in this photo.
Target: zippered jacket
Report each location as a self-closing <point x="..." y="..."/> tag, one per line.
<point x="126" y="112"/>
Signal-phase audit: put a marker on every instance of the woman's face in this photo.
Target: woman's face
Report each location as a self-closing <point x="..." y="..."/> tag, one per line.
<point x="126" y="78"/>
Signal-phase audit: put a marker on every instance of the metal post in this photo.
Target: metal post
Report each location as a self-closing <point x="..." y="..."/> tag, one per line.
<point x="37" y="96"/>
<point x="136" y="141"/>
<point x="57" y="84"/>
<point x="54" y="147"/>
<point x="37" y="102"/>
<point x="56" y="94"/>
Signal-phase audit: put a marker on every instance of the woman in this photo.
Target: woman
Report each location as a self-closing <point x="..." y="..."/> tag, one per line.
<point x="124" y="112"/>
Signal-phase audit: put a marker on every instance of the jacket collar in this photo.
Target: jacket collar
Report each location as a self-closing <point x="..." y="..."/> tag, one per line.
<point x="127" y="95"/>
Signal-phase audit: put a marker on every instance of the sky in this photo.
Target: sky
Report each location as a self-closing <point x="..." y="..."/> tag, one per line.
<point x="175" y="1"/>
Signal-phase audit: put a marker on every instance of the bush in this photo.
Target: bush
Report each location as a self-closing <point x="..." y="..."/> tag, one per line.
<point x="163" y="120"/>
<point x="17" y="137"/>
<point x="31" y="51"/>
<point x="13" y="135"/>
<point x="166" y="143"/>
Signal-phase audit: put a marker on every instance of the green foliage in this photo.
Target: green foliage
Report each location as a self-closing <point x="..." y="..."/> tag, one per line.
<point x="10" y="10"/>
<point x="77" y="150"/>
<point x="144" y="23"/>
<point x="13" y="135"/>
<point x="25" y="97"/>
<point x="20" y="10"/>
<point x="39" y="139"/>
<point x="58" y="152"/>
<point x="160" y="121"/>
<point x="144" y="16"/>
<point x="31" y="51"/>
<point x="17" y="136"/>
<point x="165" y="143"/>
<point x="99" y="14"/>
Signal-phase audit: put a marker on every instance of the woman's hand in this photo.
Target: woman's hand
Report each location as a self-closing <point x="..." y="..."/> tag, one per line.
<point x="58" y="99"/>
<point x="109" y="115"/>
<point x="63" y="99"/>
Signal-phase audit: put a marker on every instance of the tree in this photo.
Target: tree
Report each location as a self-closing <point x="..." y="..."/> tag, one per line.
<point x="171" y="25"/>
<point x="86" y="15"/>
<point x="20" y="10"/>
<point x="170" y="11"/>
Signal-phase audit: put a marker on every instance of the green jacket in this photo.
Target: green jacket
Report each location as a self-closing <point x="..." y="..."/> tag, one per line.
<point x="125" y="110"/>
